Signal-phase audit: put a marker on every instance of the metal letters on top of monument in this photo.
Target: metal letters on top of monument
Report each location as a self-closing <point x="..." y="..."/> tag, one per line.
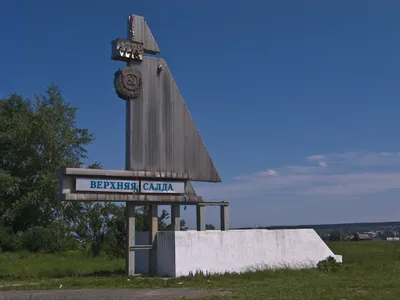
<point x="161" y="135"/>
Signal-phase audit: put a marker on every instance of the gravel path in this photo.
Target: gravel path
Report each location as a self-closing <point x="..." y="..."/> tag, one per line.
<point x="117" y="294"/>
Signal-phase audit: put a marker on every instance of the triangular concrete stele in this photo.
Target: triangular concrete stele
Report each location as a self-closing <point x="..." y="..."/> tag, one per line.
<point x="162" y="136"/>
<point x="142" y="34"/>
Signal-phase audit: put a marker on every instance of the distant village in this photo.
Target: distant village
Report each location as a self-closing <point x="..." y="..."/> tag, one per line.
<point x="378" y="235"/>
<point x="379" y="231"/>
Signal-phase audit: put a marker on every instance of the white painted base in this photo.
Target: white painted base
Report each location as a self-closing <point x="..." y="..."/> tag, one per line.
<point x="182" y="253"/>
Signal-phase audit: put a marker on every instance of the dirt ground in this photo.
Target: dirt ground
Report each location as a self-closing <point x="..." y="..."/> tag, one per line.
<point x="115" y="294"/>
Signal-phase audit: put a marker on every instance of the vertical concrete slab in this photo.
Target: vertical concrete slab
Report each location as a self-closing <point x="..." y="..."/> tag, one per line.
<point x="166" y="253"/>
<point x="142" y="256"/>
<point x="153" y="228"/>
<point x="201" y="218"/>
<point x="176" y="217"/>
<point x="130" y="238"/>
<point x="224" y="218"/>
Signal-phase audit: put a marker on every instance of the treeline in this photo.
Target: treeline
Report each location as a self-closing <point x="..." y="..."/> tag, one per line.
<point x="348" y="227"/>
<point x="38" y="137"/>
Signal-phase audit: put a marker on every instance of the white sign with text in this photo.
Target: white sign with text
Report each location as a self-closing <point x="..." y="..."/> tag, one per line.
<point x="162" y="187"/>
<point x="107" y="185"/>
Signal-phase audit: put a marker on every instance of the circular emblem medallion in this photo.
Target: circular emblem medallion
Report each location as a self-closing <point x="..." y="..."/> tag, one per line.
<point x="128" y="83"/>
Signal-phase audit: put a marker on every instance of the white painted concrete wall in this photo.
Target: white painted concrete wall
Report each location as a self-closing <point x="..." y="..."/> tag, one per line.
<point x="182" y="252"/>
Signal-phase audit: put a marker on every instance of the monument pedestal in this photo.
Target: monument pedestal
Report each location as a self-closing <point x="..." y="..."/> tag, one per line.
<point x="182" y="253"/>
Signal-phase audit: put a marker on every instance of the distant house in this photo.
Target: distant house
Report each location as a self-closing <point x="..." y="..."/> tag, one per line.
<point x="361" y="237"/>
<point x="372" y="233"/>
<point x="396" y="239"/>
<point x="364" y="237"/>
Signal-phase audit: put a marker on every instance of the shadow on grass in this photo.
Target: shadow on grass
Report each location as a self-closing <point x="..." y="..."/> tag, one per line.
<point x="11" y="277"/>
<point x="104" y="273"/>
<point x="64" y="274"/>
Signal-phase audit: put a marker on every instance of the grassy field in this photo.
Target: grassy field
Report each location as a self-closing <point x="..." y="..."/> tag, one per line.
<point x="371" y="271"/>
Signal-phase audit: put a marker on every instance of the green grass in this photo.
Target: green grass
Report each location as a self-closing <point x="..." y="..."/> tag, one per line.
<point x="371" y="271"/>
<point x="28" y="266"/>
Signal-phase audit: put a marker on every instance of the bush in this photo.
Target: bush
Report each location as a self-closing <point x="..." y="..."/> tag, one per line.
<point x="335" y="236"/>
<point x="37" y="239"/>
<point x="330" y="265"/>
<point x="115" y="237"/>
<point x="50" y="240"/>
<point x="64" y="243"/>
<point x="9" y="241"/>
<point x="73" y="253"/>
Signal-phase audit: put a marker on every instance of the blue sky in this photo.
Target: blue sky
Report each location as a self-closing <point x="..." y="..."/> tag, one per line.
<point x="297" y="101"/>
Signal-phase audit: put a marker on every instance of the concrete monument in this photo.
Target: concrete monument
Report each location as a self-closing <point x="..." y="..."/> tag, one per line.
<point x="164" y="153"/>
<point x="164" y="150"/>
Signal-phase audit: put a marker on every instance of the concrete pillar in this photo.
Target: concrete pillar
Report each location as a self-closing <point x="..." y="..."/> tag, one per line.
<point x="201" y="218"/>
<point x="176" y="217"/>
<point x="224" y="217"/>
<point x="153" y="228"/>
<point x="130" y="238"/>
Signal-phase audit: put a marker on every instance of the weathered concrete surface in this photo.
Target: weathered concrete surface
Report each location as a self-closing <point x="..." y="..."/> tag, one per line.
<point x="115" y="294"/>
<point x="181" y="253"/>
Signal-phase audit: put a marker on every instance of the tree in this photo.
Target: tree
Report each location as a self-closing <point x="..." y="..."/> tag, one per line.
<point x="388" y="233"/>
<point x="115" y="237"/>
<point x="356" y="237"/>
<point x="210" y="227"/>
<point x="36" y="139"/>
<point x="94" y="221"/>
<point x="335" y="236"/>
<point x="183" y="225"/>
<point x="142" y="217"/>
